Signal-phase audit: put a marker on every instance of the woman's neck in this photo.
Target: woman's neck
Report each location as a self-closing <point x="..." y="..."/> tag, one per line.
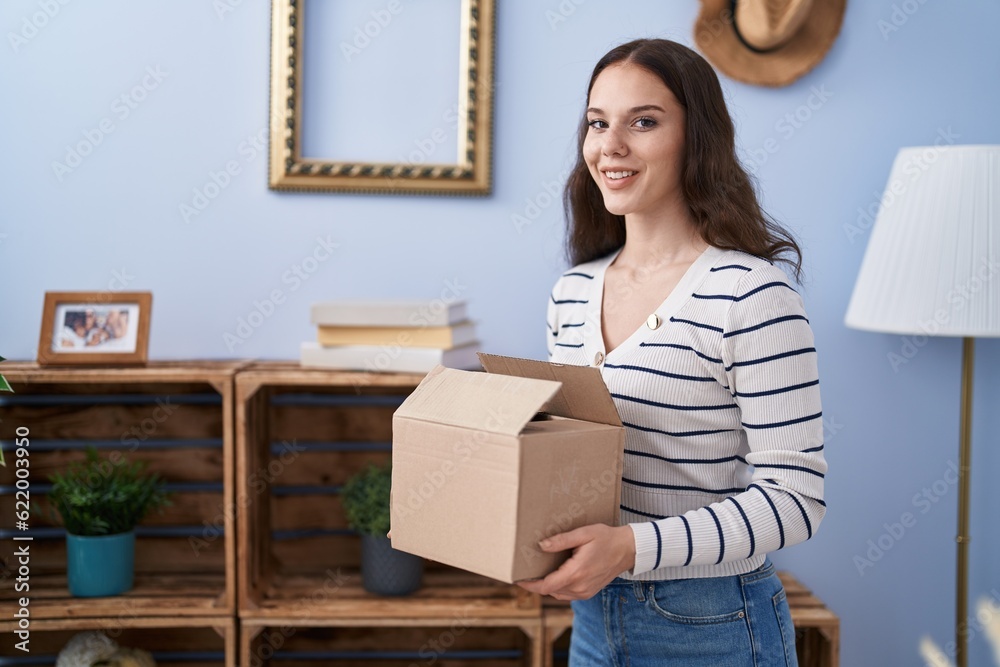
<point x="661" y="239"/>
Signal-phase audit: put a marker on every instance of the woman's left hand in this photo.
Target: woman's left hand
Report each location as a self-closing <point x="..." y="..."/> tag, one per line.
<point x="600" y="553"/>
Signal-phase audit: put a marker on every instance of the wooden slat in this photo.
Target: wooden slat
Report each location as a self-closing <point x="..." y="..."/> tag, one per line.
<point x="154" y="594"/>
<point x="186" y="509"/>
<point x="81" y="422"/>
<point x="305" y="468"/>
<point x="354" y="424"/>
<point x="306" y="512"/>
<point x="291" y="373"/>
<point x="153" y="371"/>
<point x="198" y="464"/>
<point x="337" y="593"/>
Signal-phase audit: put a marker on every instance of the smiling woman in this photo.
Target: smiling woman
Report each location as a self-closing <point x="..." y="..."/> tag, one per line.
<point x="708" y="354"/>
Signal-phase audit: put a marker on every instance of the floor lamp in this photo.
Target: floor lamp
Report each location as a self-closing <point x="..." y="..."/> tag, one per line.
<point x="931" y="269"/>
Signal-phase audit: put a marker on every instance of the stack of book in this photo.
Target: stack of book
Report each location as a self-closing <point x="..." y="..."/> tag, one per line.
<point x="393" y="336"/>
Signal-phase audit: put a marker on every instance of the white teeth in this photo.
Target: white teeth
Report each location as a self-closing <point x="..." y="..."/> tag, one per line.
<point x="615" y="175"/>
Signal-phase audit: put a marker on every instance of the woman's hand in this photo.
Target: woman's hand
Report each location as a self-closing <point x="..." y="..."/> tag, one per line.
<point x="600" y="553"/>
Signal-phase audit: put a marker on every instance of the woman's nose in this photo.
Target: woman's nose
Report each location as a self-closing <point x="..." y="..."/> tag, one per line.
<point x="614" y="144"/>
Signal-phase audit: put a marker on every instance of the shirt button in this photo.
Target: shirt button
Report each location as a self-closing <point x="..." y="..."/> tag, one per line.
<point x="598" y="358"/>
<point x="653" y="321"/>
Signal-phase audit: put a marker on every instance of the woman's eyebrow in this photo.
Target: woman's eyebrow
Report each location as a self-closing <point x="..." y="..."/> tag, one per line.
<point x="644" y="107"/>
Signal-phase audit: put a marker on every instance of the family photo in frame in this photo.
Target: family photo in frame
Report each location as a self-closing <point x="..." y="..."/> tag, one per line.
<point x="95" y="327"/>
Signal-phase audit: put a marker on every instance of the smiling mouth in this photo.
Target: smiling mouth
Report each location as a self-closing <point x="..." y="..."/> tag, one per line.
<point x="619" y="175"/>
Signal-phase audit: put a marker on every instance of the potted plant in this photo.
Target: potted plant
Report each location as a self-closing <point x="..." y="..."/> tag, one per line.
<point x="384" y="570"/>
<point x="100" y="502"/>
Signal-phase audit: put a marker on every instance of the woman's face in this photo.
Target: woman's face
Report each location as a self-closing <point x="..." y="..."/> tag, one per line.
<point x="634" y="146"/>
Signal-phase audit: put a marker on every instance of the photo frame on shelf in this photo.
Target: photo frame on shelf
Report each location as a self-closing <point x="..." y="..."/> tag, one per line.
<point x="90" y="328"/>
<point x="315" y="89"/>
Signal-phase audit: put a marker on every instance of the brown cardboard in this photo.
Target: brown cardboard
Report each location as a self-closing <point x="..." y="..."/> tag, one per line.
<point x="487" y="464"/>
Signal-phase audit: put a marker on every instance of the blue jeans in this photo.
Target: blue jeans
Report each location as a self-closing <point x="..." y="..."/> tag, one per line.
<point x="734" y="621"/>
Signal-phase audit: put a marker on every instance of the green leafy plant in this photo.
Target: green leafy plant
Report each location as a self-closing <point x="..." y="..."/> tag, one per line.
<point x="4" y="386"/>
<point x="105" y="497"/>
<point x="366" y="499"/>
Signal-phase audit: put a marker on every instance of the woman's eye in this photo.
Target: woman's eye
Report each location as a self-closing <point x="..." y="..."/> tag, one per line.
<point x="597" y="124"/>
<point x="645" y="122"/>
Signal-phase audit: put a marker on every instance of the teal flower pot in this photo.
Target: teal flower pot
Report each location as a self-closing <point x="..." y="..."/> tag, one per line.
<point x="100" y="566"/>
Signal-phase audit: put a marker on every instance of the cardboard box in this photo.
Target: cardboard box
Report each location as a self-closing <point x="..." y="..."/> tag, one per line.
<point x="487" y="464"/>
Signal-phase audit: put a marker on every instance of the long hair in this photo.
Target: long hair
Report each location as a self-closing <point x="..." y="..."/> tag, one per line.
<point x="718" y="191"/>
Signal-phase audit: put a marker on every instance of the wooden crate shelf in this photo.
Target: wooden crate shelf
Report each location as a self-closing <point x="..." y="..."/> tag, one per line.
<point x="301" y="432"/>
<point x="447" y="641"/>
<point x="176" y="417"/>
<point x="179" y="640"/>
<point x="817" y="629"/>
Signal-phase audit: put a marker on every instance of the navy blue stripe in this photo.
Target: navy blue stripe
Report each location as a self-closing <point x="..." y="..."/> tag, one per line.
<point x="566" y="326"/>
<point x="805" y="517"/>
<point x="768" y="323"/>
<point x="773" y="357"/>
<point x="682" y="347"/>
<point x="676" y="376"/>
<point x="722" y="539"/>
<point x="577" y="273"/>
<point x="561" y="301"/>
<point x="640" y="512"/>
<point x="727" y="459"/>
<point x="785" y="466"/>
<point x="677" y="434"/>
<point x="696" y="324"/>
<point x="747" y="522"/>
<point x="813" y="449"/>
<point x="785" y="423"/>
<point x="659" y="545"/>
<point x="675" y="487"/>
<point x="730" y="297"/>
<point x="730" y="266"/>
<point x="771" y="392"/>
<point x="673" y="406"/>
<point x="569" y="344"/>
<point x="820" y="502"/>
<point x="777" y="517"/>
<point x="687" y="529"/>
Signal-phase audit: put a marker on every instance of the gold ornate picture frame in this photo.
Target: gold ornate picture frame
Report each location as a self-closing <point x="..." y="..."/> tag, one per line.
<point x="289" y="170"/>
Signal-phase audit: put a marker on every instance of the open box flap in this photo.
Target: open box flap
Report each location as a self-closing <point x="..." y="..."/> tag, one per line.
<point x="495" y="403"/>
<point x="583" y="395"/>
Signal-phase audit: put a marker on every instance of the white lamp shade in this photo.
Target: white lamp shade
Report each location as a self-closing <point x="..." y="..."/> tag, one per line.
<point x="932" y="265"/>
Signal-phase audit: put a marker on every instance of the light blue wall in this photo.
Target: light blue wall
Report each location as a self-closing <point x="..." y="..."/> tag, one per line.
<point x="891" y="433"/>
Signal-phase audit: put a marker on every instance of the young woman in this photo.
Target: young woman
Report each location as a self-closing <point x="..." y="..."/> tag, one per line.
<point x="707" y="352"/>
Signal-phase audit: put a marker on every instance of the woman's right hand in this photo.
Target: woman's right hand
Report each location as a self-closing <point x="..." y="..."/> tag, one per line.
<point x="389" y="534"/>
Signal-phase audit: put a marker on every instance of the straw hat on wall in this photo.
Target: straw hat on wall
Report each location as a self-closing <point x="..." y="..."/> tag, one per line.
<point x="767" y="42"/>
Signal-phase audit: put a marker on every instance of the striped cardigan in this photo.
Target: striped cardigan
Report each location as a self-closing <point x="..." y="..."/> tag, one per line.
<point x="721" y="406"/>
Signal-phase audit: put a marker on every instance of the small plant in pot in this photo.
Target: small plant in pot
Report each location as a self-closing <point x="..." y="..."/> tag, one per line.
<point x="384" y="570"/>
<point x="100" y="502"/>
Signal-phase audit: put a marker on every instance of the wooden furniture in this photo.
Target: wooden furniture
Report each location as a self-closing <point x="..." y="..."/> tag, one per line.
<point x="301" y="432"/>
<point x="175" y="416"/>
<point x="254" y="564"/>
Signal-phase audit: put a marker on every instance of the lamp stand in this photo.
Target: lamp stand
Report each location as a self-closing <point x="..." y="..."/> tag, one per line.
<point x="963" y="539"/>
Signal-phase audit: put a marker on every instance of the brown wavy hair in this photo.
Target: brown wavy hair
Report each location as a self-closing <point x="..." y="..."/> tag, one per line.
<point x="718" y="190"/>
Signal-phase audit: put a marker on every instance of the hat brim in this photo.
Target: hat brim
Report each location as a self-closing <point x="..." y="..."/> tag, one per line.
<point x="716" y="39"/>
